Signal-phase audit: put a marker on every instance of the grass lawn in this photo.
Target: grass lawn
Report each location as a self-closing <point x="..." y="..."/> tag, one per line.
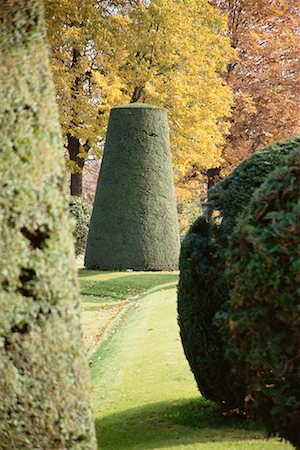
<point x="144" y="395"/>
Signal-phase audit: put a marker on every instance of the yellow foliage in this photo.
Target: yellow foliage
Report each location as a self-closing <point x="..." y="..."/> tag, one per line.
<point x="170" y="53"/>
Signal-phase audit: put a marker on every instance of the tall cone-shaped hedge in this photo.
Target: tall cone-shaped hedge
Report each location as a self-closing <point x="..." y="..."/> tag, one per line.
<point x="43" y="372"/>
<point x="134" y="221"/>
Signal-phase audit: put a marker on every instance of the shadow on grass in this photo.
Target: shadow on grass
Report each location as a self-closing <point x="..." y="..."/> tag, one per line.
<point x="109" y="302"/>
<point x="125" y="286"/>
<point x="85" y="273"/>
<point x="161" y="425"/>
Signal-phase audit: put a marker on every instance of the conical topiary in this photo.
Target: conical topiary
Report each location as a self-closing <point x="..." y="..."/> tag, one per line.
<point x="44" y="395"/>
<point x="134" y="221"/>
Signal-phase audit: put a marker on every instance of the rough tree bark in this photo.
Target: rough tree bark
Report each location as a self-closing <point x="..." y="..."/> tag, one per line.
<point x="213" y="176"/>
<point x="44" y="400"/>
<point x="73" y="143"/>
<point x="76" y="178"/>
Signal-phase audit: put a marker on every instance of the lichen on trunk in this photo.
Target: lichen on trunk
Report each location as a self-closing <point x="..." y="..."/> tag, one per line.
<point x="44" y="400"/>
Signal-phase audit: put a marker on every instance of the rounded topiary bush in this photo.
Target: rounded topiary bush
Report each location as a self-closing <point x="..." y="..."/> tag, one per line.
<point x="81" y="215"/>
<point x="264" y="308"/>
<point x="227" y="199"/>
<point x="204" y="289"/>
<point x="199" y="298"/>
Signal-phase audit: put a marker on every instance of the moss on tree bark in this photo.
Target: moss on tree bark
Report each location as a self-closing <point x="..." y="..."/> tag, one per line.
<point x="134" y="221"/>
<point x="43" y="372"/>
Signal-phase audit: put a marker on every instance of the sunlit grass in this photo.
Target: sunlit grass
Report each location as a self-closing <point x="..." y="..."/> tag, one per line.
<point x="144" y="395"/>
<point x="122" y="285"/>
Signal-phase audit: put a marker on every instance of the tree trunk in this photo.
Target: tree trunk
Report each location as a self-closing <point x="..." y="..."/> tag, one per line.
<point x="76" y="175"/>
<point x="137" y="94"/>
<point x="76" y="184"/>
<point x="213" y="176"/>
<point x="44" y="400"/>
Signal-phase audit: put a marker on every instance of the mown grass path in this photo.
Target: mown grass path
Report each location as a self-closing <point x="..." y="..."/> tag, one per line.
<point x="144" y="395"/>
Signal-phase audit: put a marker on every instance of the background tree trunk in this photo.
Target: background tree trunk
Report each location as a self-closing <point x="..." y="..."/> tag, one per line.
<point x="213" y="176"/>
<point x="76" y="177"/>
<point x="43" y="372"/>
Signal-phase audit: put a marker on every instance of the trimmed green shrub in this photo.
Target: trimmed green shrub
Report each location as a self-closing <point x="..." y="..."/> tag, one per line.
<point x="81" y="215"/>
<point x="204" y="289"/>
<point x="264" y="309"/>
<point x="44" y="394"/>
<point x="200" y="296"/>
<point x="134" y="220"/>
<point x="228" y="198"/>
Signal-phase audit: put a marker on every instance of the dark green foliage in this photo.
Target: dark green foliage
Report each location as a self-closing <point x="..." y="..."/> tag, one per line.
<point x="229" y="197"/>
<point x="134" y="221"/>
<point x="200" y="296"/>
<point x="203" y="287"/>
<point x="264" y="309"/>
<point x="43" y="371"/>
<point x="81" y="214"/>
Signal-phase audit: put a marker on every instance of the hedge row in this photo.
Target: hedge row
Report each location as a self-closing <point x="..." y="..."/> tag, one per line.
<point x="232" y="268"/>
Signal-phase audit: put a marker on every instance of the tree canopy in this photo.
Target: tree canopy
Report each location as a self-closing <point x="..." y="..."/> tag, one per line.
<point x="110" y="53"/>
<point x="264" y="74"/>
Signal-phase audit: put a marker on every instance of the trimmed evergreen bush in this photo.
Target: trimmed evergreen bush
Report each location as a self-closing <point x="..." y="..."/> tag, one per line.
<point x="44" y="395"/>
<point x="204" y="289"/>
<point x="228" y="198"/>
<point x="264" y="309"/>
<point x="200" y="296"/>
<point x="81" y="215"/>
<point x="134" y="220"/>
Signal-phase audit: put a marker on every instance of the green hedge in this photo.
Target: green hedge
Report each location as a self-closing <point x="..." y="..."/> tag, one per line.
<point x="81" y="215"/>
<point x="203" y="287"/>
<point x="134" y="222"/>
<point x="44" y="378"/>
<point x="264" y="308"/>
<point x="200" y="296"/>
<point x="228" y="198"/>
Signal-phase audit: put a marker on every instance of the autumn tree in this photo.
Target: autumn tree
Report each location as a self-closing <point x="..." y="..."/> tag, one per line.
<point x="264" y="75"/>
<point x="82" y="63"/>
<point x="177" y="64"/>
<point x="138" y="51"/>
<point x="44" y="401"/>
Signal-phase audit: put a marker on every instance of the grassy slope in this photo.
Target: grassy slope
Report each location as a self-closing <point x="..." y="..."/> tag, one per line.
<point x="107" y="296"/>
<point x="144" y="396"/>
